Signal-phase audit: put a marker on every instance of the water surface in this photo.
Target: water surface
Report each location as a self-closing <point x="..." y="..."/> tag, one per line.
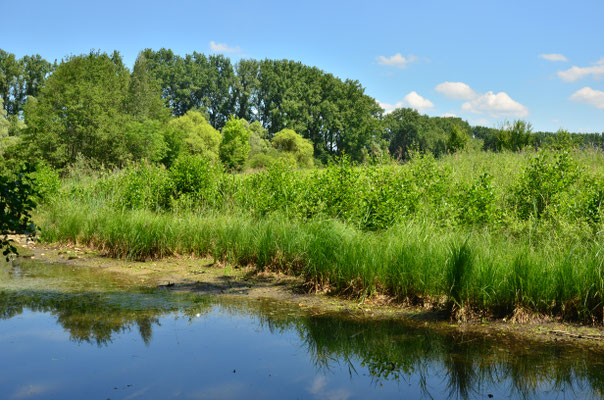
<point x="75" y="333"/>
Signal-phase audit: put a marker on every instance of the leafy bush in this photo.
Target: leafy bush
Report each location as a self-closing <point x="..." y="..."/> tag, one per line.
<point x="476" y="204"/>
<point x="17" y="195"/>
<point x="235" y="146"/>
<point x="47" y="182"/>
<point x="198" y="177"/>
<point x="140" y="186"/>
<point x="289" y="142"/>
<point x="542" y="183"/>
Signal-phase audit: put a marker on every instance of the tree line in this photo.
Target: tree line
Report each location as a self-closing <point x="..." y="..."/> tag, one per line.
<point x="246" y="114"/>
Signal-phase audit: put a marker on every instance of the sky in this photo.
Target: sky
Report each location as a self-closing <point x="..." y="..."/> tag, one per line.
<point x="485" y="61"/>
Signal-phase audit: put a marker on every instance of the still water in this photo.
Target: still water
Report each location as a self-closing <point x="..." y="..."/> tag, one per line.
<point x="73" y="333"/>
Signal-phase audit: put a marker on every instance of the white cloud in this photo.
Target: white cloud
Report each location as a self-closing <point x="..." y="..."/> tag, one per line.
<point x="496" y="105"/>
<point x="223" y="48"/>
<point x="575" y="73"/>
<point x="553" y="57"/>
<point x="412" y="100"/>
<point x="449" y="115"/>
<point x="589" y="96"/>
<point x="397" y="60"/>
<point x="416" y="101"/>
<point x="456" y="90"/>
<point x="388" y="108"/>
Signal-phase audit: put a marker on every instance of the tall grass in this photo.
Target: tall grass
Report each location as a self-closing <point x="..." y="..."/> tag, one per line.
<point x="413" y="260"/>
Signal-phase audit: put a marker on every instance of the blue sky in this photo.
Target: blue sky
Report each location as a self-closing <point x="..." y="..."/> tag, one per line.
<point x="485" y="61"/>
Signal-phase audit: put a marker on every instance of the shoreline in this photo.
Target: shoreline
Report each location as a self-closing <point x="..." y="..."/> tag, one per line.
<point x="203" y="276"/>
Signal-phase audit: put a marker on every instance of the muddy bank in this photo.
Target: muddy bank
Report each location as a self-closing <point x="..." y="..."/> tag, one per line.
<point x="204" y="276"/>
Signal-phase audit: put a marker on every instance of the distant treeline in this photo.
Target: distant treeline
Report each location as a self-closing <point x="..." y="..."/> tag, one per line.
<point x="92" y="107"/>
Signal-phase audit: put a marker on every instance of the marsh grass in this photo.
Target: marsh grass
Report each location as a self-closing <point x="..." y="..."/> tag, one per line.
<point x="461" y="231"/>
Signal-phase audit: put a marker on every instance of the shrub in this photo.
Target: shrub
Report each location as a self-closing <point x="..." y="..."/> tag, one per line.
<point x="197" y="176"/>
<point x="542" y="183"/>
<point x="289" y="142"/>
<point x="141" y="186"/>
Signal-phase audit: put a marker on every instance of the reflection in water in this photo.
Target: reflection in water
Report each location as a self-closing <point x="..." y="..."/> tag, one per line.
<point x="461" y="365"/>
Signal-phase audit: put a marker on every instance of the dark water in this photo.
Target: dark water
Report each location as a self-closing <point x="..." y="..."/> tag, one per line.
<point x="72" y="334"/>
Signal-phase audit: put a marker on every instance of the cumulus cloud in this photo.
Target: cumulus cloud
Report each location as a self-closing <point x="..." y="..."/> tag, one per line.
<point x="418" y="102"/>
<point x="456" y="90"/>
<point x="412" y="100"/>
<point x="496" y="105"/>
<point x="449" y="115"/>
<point x="575" y="73"/>
<point x="589" y="96"/>
<point x="388" y="108"/>
<point x="553" y="57"/>
<point x="223" y="48"/>
<point x="397" y="60"/>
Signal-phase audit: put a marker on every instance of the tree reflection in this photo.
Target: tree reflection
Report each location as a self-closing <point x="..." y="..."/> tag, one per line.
<point x="441" y="364"/>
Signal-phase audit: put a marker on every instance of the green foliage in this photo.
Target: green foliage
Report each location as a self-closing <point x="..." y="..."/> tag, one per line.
<point x="458" y="139"/>
<point x="476" y="204"/>
<point x="191" y="133"/>
<point x="195" y="81"/>
<point x="289" y="142"/>
<point x="259" y="142"/>
<point x="20" y="79"/>
<point x="197" y="177"/>
<point x="79" y="111"/>
<point x="542" y="184"/>
<point x="47" y="183"/>
<point x="17" y="201"/>
<point x="562" y="140"/>
<point x="144" y="101"/>
<point x="138" y="186"/>
<point x="145" y="140"/>
<point x="594" y="201"/>
<point x="235" y="144"/>
<point x="406" y="129"/>
<point x="514" y="136"/>
<point x="261" y="160"/>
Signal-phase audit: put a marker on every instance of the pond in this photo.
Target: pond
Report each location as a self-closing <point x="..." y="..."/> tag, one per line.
<point x="77" y="333"/>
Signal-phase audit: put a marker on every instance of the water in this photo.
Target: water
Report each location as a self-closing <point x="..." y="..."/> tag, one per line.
<point x="75" y="334"/>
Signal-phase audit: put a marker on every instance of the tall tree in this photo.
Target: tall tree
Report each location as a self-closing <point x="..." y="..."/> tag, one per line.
<point x="79" y="111"/>
<point x="10" y="73"/>
<point x="144" y="93"/>
<point x="245" y="89"/>
<point x="405" y="129"/>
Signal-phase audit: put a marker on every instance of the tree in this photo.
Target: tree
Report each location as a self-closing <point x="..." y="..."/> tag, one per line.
<point x="293" y="145"/>
<point x="10" y="73"/>
<point x="144" y="94"/>
<point x="258" y="139"/>
<point x="245" y="90"/>
<point x="235" y="146"/>
<point x="80" y="111"/>
<point x="194" y="135"/>
<point x="405" y="128"/>
<point x="145" y="140"/>
<point x="458" y="139"/>
<point x="514" y="136"/>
